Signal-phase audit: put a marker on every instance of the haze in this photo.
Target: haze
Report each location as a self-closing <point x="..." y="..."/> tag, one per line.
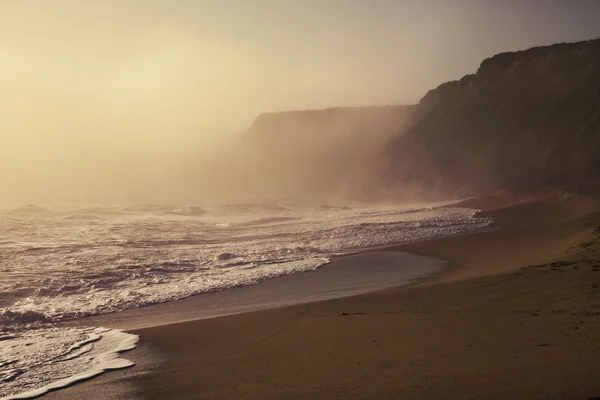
<point x="133" y="101"/>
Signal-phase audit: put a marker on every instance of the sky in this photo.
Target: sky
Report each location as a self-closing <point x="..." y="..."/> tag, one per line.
<point x="100" y="90"/>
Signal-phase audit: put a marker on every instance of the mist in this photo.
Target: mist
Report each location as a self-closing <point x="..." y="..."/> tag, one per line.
<point x="120" y="103"/>
<point x="133" y="111"/>
<point x="127" y="101"/>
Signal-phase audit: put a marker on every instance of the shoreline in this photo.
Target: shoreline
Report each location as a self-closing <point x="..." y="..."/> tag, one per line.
<point x="361" y="271"/>
<point x="531" y="231"/>
<point x="344" y="276"/>
<point x="198" y="306"/>
<point x="311" y="286"/>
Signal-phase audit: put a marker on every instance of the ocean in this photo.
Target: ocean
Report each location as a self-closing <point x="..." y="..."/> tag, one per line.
<point x="65" y="263"/>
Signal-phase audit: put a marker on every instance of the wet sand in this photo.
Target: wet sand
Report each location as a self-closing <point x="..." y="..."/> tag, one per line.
<point x="345" y="276"/>
<point x="517" y="315"/>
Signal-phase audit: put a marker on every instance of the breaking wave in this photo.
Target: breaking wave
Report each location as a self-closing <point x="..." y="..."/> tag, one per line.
<point x="63" y="264"/>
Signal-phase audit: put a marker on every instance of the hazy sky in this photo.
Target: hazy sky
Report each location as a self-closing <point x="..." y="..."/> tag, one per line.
<point x="81" y="80"/>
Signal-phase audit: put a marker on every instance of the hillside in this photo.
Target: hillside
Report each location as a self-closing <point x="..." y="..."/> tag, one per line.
<point x="525" y="119"/>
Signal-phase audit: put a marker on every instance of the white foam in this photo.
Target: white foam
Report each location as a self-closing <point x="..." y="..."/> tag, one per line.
<point x="64" y="264"/>
<point x="64" y="269"/>
<point x="45" y="371"/>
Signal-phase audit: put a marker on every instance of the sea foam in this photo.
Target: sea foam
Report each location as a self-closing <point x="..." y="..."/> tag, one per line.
<point x="63" y="264"/>
<point x="40" y="360"/>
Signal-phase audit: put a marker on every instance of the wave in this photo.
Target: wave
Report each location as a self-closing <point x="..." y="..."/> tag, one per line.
<point x="146" y="259"/>
<point x="46" y="359"/>
<point x="327" y="207"/>
<point x="268" y="220"/>
<point x="120" y="290"/>
<point x="190" y="211"/>
<point x="10" y="317"/>
<point x="30" y="209"/>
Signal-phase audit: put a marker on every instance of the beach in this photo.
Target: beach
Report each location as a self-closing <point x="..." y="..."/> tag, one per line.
<point x="260" y="200"/>
<point x="516" y="315"/>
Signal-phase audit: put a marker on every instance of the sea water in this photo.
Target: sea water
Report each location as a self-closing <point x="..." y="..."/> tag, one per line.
<point x="65" y="263"/>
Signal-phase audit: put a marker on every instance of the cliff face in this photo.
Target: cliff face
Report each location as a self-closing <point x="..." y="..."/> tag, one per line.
<point x="320" y="152"/>
<point x="332" y="130"/>
<point x="525" y="119"/>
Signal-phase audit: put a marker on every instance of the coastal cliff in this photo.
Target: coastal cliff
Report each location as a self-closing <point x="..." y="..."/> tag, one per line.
<point x="320" y="152"/>
<point x="320" y="127"/>
<point x="525" y="119"/>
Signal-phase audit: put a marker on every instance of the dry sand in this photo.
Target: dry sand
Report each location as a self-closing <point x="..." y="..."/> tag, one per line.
<point x="516" y="316"/>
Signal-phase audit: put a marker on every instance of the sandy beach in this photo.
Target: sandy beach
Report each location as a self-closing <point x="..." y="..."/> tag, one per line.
<point x="516" y="315"/>
<point x="335" y="199"/>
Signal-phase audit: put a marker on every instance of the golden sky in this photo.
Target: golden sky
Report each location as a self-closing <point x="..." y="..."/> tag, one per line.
<point x="101" y="95"/>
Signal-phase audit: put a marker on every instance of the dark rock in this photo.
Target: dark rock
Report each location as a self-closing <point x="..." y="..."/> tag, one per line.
<point x="226" y="256"/>
<point x="526" y="119"/>
<point x="343" y="314"/>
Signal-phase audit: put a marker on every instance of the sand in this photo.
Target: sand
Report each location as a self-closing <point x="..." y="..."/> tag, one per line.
<point x="517" y="315"/>
<point x="343" y="277"/>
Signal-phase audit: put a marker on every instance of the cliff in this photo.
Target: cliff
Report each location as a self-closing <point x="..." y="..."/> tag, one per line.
<point x="525" y="119"/>
<point x="320" y="152"/>
<point x="318" y="127"/>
